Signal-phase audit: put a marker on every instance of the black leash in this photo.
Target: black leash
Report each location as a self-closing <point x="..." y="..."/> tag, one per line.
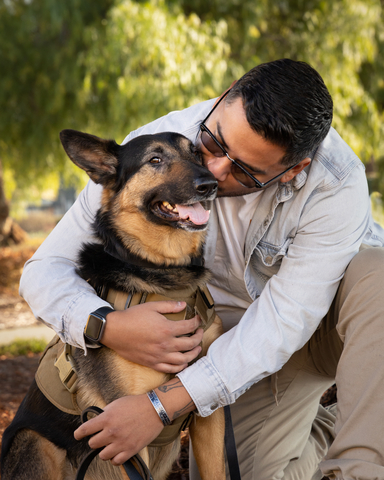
<point x="230" y="446"/>
<point x="142" y="472"/>
<point x="139" y="473"/>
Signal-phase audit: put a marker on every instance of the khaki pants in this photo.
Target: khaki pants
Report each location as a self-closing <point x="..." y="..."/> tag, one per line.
<point x="281" y="430"/>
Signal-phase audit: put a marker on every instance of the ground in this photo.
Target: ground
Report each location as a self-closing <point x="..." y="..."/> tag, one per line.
<point x="16" y="373"/>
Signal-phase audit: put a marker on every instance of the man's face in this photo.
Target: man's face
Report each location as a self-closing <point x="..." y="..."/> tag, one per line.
<point x="229" y="125"/>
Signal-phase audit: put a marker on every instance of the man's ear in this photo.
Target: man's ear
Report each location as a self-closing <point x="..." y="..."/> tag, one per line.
<point x="295" y="170"/>
<point x="94" y="155"/>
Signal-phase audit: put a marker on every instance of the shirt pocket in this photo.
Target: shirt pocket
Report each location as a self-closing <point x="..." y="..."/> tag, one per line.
<point x="267" y="257"/>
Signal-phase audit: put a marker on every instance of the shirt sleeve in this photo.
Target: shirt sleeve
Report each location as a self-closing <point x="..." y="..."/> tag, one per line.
<point x="293" y="302"/>
<point x="56" y="294"/>
<point x="49" y="283"/>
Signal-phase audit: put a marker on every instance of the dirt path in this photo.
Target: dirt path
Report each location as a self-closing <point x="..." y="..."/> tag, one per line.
<point x="16" y="375"/>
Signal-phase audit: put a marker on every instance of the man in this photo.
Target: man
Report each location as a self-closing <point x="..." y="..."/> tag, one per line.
<point x="293" y="212"/>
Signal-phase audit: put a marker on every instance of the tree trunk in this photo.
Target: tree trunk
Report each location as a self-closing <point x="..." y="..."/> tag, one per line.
<point x="10" y="232"/>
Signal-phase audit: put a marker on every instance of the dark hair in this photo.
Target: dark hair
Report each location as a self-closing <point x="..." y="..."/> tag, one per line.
<point x="288" y="104"/>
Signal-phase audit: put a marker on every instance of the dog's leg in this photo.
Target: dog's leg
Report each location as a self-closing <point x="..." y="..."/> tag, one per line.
<point x="207" y="436"/>
<point x="161" y="459"/>
<point x="207" y="433"/>
<point x="33" y="457"/>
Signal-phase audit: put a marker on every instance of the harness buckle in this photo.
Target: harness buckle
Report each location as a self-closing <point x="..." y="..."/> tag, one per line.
<point x="204" y="306"/>
<point x="65" y="363"/>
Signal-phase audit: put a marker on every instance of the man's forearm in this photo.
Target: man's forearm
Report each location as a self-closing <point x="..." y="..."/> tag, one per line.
<point x="175" y="398"/>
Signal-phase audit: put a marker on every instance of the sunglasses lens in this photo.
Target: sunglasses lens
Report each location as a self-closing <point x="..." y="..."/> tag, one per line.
<point x="242" y="177"/>
<point x="214" y="148"/>
<point x="211" y="145"/>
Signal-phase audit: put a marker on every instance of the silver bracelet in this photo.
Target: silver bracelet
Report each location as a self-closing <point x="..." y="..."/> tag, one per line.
<point x="158" y="406"/>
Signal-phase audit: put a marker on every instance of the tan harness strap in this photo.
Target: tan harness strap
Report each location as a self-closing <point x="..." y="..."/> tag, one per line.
<point x="198" y="301"/>
<point x="56" y="377"/>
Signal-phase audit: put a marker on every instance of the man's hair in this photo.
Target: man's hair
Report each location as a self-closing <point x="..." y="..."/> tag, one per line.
<point x="288" y="104"/>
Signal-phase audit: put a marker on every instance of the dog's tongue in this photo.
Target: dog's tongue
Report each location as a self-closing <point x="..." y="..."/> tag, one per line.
<point x="195" y="213"/>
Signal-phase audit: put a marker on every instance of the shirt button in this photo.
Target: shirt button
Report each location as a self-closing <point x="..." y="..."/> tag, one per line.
<point x="268" y="259"/>
<point x="214" y="406"/>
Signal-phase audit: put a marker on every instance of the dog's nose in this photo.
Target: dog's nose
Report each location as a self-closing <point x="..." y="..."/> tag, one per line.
<point x="205" y="186"/>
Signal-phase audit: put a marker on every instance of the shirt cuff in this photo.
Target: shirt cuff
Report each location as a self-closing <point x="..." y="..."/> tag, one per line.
<point x="75" y="318"/>
<point x="205" y="387"/>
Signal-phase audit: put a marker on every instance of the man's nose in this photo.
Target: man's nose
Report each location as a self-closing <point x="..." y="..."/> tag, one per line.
<point x="220" y="167"/>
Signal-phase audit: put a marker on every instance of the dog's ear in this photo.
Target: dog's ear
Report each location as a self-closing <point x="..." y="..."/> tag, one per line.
<point x="96" y="156"/>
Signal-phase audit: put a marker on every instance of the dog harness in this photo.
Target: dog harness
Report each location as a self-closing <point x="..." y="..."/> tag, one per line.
<point x="56" y="375"/>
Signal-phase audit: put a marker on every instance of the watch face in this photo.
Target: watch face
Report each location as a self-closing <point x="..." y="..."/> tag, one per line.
<point x="94" y="327"/>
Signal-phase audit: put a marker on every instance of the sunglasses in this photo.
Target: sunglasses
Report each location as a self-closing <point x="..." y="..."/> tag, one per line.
<point x="239" y="172"/>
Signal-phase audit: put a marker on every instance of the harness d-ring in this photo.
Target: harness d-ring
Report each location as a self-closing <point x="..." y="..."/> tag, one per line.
<point x="131" y="471"/>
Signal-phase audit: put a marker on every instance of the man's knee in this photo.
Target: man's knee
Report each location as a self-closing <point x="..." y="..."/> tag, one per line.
<point x="367" y="265"/>
<point x="359" y="298"/>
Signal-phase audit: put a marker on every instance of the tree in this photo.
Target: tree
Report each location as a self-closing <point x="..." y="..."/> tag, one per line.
<point x="40" y="41"/>
<point x="158" y="60"/>
<point x="101" y="66"/>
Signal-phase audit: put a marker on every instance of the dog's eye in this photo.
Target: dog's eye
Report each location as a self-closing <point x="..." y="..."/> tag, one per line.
<point x="197" y="155"/>
<point x="155" y="160"/>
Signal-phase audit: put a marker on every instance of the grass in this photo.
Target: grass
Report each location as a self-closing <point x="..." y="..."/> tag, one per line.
<point x="23" y="347"/>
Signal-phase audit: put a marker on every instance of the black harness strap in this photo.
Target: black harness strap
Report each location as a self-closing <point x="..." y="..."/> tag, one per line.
<point x="230" y="446"/>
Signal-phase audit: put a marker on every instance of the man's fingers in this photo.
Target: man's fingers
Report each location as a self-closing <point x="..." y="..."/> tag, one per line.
<point x="177" y="361"/>
<point x="170" y="368"/>
<point x="167" y="306"/>
<point x="184" y="344"/>
<point x="109" y="452"/>
<point x="120" y="458"/>
<point x="186" y="327"/>
<point x="186" y="357"/>
<point x="88" y="428"/>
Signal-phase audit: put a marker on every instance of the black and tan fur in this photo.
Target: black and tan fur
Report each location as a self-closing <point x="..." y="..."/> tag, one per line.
<point x="132" y="223"/>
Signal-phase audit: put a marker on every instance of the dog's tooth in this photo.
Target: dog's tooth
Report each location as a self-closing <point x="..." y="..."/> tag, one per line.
<point x="169" y="207"/>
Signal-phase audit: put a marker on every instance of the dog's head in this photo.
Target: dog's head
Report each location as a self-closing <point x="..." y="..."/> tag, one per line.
<point x="152" y="187"/>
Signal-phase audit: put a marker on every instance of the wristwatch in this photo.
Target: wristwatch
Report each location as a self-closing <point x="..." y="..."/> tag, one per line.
<point x="95" y="326"/>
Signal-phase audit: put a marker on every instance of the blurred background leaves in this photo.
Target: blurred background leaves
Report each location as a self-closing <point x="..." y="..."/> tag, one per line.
<point x="109" y="66"/>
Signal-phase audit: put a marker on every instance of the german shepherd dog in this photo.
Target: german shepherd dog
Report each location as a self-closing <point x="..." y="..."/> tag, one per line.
<point x="149" y="232"/>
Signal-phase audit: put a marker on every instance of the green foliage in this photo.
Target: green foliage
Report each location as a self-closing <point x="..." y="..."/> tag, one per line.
<point x="147" y="61"/>
<point x="109" y="66"/>
<point x="23" y="347"/>
<point x="99" y="66"/>
<point x="377" y="208"/>
<point x="40" y="43"/>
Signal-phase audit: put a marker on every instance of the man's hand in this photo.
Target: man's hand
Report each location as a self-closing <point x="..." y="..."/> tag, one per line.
<point x="143" y="335"/>
<point x="131" y="423"/>
<point x="125" y="427"/>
